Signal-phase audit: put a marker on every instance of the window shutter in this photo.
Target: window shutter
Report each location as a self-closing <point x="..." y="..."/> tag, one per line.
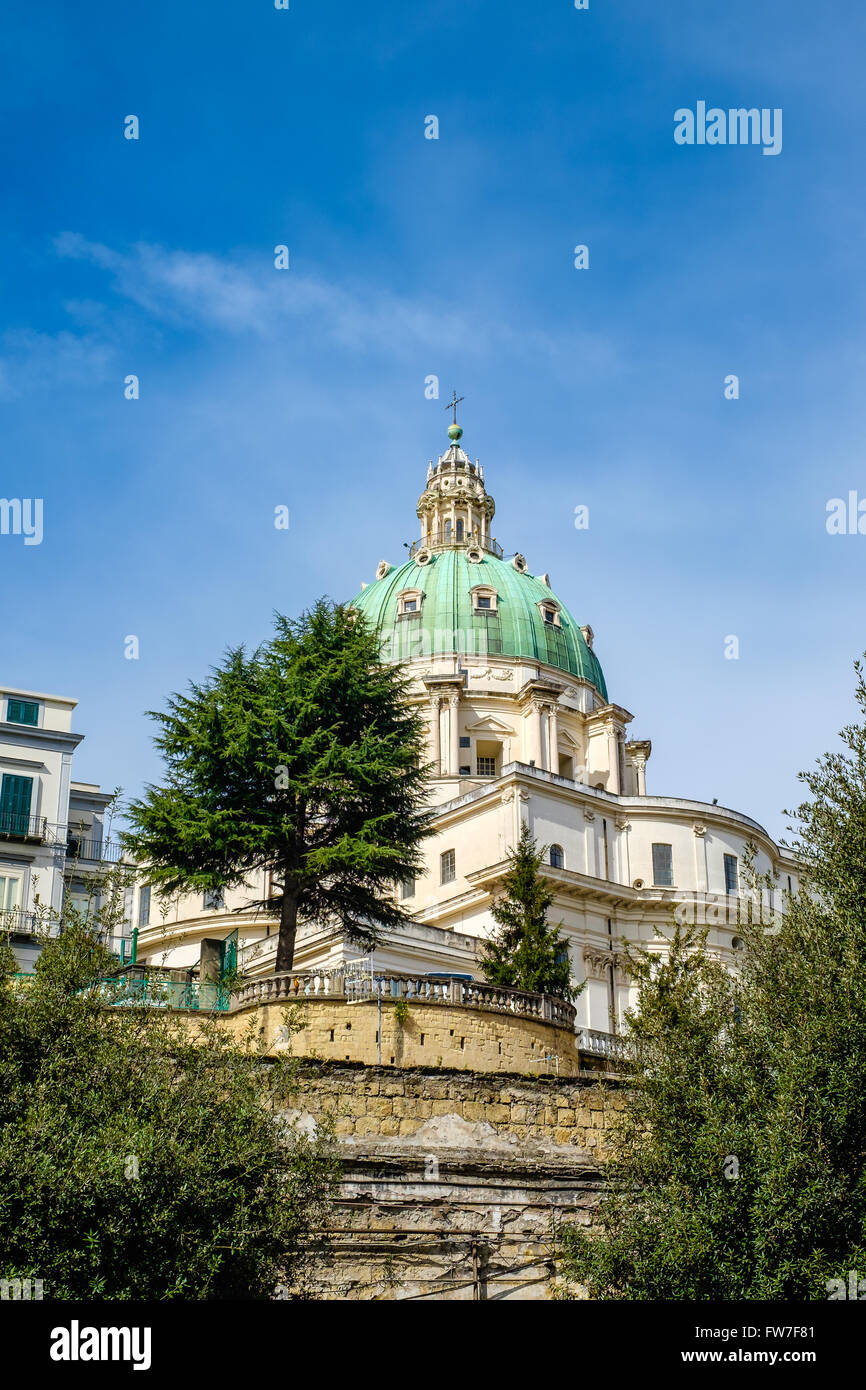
<point x="22" y="712"/>
<point x="15" y="797"/>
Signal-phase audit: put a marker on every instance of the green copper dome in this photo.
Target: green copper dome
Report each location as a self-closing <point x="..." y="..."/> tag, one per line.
<point x="447" y="620"/>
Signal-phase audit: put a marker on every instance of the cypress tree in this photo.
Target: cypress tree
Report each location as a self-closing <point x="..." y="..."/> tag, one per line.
<point x="525" y="952"/>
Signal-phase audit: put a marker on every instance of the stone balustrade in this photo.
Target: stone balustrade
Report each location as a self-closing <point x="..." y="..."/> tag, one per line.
<point x="391" y="985"/>
<point x="597" y="1044"/>
<point x="272" y="989"/>
<point x="356" y="1016"/>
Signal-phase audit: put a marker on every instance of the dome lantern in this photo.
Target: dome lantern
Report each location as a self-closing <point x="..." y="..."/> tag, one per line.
<point x="454" y="509"/>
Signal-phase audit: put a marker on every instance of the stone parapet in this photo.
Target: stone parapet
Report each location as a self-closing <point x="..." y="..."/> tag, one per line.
<point x="405" y="1021"/>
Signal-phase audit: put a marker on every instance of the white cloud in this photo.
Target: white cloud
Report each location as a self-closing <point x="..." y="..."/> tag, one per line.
<point x="208" y="294"/>
<point x="202" y="291"/>
<point x="40" y="361"/>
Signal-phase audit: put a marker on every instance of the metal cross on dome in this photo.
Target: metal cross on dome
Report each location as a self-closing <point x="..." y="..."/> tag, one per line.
<point x="453" y="404"/>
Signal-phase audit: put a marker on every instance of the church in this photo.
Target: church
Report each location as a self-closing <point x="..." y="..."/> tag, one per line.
<point x="521" y="730"/>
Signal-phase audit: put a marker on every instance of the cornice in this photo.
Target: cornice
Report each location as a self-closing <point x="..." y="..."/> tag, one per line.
<point x="635" y="808"/>
<point x="22" y="735"/>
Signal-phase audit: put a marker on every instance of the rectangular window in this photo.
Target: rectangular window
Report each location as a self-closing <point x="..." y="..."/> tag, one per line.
<point x="144" y="906"/>
<point x="663" y="866"/>
<point x="449" y="872"/>
<point x="731" y="881"/>
<point x="82" y="904"/>
<point x="407" y="888"/>
<point x="15" y="797"/>
<point x="466" y="771"/>
<point x="10" y="889"/>
<point x="464" y="742"/>
<point x="482" y="602"/>
<point x="212" y="900"/>
<point x="410" y="605"/>
<point x="22" y="712"/>
<point x="486" y="767"/>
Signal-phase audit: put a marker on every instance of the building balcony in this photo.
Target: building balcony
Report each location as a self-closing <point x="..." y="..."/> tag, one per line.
<point x="19" y="921"/>
<point x="93" y="851"/>
<point x="146" y="987"/>
<point x="14" y="825"/>
<point x="451" y="989"/>
<point x="358" y="1014"/>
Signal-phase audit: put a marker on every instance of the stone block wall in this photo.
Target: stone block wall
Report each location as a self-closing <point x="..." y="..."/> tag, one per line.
<point x="368" y="1102"/>
<point x="455" y="1185"/>
<point x="427" y="1035"/>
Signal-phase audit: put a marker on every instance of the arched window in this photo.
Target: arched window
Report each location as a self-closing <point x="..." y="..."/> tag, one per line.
<point x="447" y="532"/>
<point x="557" y="858"/>
<point x="460" y="528"/>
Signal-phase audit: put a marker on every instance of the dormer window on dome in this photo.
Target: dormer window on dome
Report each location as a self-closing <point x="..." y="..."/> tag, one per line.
<point x="484" y="598"/>
<point x="550" y="612"/>
<point x="409" y="603"/>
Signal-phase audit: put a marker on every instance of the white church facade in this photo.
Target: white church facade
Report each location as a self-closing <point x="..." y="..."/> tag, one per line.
<point x="521" y="730"/>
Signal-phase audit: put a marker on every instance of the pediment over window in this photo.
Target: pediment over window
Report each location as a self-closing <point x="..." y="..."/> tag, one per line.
<point x="484" y="598"/>
<point x="409" y="602"/>
<point x="489" y="726"/>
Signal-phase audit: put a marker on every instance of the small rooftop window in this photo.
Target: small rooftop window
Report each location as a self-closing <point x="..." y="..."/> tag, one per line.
<point x="22" y="712"/>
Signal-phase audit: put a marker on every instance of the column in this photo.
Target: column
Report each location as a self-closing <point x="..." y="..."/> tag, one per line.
<point x="506" y="834"/>
<point x="590" y="846"/>
<point x="537" y="735"/>
<point x="454" y="703"/>
<point x="623" y="825"/>
<point x="701" y="884"/>
<point x="613" y="759"/>
<point x="436" y="735"/>
<point x="553" y="738"/>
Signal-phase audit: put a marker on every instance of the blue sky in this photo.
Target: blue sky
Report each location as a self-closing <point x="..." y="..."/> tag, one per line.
<point x="452" y="257"/>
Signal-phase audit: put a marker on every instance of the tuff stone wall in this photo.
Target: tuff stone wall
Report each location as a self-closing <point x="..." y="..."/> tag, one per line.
<point x="455" y="1185"/>
<point x="378" y="1102"/>
<point x="428" y="1035"/>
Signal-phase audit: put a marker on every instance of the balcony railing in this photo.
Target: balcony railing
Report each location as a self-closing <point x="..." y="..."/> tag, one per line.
<point x="93" y="851"/>
<point x="428" y="989"/>
<point x="16" y="826"/>
<point x="447" y="540"/>
<point x="22" y="922"/>
<point x="597" y="1044"/>
<point x="19" y="921"/>
<point x="143" y="989"/>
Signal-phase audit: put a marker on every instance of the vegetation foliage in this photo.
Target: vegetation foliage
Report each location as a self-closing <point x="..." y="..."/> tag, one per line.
<point x="740" y="1169"/>
<point x="525" y="951"/>
<point x="138" y="1159"/>
<point x="303" y="760"/>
